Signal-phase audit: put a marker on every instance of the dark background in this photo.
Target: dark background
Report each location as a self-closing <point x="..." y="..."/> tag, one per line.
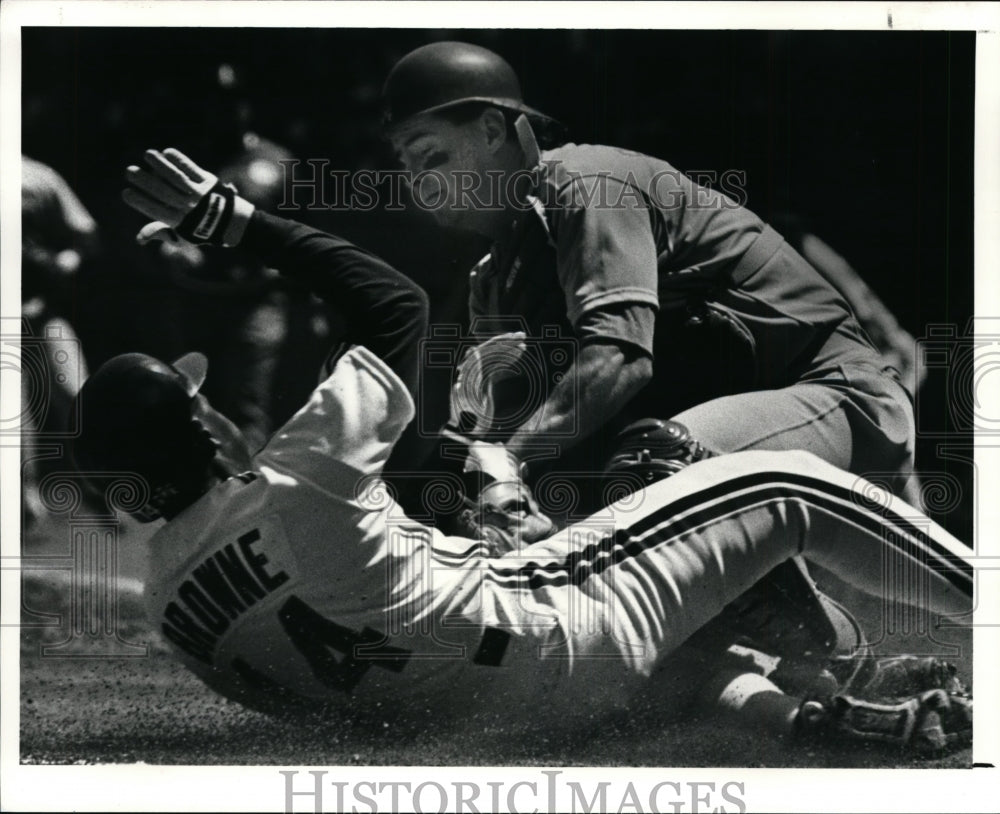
<point x="868" y="136"/>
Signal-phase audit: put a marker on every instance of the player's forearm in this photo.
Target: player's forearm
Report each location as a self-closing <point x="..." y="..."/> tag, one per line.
<point x="384" y="310"/>
<point x="600" y="383"/>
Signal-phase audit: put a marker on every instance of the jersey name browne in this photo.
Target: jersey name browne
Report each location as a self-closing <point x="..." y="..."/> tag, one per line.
<point x="217" y="591"/>
<point x="236" y="577"/>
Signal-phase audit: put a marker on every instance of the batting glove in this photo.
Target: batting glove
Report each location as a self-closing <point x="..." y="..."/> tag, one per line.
<point x="184" y="201"/>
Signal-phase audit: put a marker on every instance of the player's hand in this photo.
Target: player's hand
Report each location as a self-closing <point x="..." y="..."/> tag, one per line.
<point x="472" y="407"/>
<point x="513" y="508"/>
<point x="504" y="512"/>
<point x="505" y="516"/>
<point x="184" y="201"/>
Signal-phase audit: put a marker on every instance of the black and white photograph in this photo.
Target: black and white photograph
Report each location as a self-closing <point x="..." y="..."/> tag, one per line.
<point x="499" y="407"/>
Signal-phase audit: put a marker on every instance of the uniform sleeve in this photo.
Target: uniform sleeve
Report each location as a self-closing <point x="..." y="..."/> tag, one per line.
<point x="605" y="246"/>
<point x="382" y="309"/>
<point x="347" y="428"/>
<point x="626" y="323"/>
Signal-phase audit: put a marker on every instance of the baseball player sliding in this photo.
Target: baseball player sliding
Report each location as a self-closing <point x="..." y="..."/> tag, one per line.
<point x="289" y="579"/>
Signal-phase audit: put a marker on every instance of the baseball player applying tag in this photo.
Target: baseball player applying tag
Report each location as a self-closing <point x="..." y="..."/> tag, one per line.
<point x="290" y="579"/>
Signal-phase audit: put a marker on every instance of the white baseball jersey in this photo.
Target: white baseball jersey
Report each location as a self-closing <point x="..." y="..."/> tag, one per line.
<point x="302" y="581"/>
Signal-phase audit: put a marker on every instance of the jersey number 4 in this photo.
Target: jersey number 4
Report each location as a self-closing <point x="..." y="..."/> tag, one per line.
<point x="316" y="637"/>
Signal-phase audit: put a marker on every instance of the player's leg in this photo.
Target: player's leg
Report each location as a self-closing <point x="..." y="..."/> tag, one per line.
<point x="682" y="549"/>
<point x="853" y="417"/>
<point x="746" y="512"/>
<point x="864" y="535"/>
<point x="927" y="721"/>
<point x="805" y="512"/>
<point x="751" y="700"/>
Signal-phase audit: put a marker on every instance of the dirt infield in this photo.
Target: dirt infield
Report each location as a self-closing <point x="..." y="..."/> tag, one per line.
<point x="149" y="709"/>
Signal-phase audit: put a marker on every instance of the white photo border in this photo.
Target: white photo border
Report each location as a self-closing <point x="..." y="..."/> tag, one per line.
<point x="142" y="787"/>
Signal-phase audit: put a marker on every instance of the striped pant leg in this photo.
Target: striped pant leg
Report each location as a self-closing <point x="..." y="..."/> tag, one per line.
<point x="691" y="544"/>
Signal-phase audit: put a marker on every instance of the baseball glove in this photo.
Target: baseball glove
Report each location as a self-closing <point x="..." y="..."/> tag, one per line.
<point x="927" y="723"/>
<point x="654" y="449"/>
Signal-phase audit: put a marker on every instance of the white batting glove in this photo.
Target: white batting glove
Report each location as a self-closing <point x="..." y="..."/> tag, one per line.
<point x="185" y="201"/>
<point x="481" y="368"/>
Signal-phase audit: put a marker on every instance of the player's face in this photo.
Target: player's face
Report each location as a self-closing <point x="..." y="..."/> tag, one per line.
<point x="448" y="166"/>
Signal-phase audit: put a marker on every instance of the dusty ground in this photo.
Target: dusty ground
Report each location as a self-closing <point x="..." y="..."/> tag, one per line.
<point x="149" y="709"/>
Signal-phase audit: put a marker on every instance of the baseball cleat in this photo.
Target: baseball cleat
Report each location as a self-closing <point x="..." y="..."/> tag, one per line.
<point x="929" y="723"/>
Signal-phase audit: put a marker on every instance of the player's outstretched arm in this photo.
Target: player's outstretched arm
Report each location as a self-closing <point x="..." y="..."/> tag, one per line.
<point x="384" y="310"/>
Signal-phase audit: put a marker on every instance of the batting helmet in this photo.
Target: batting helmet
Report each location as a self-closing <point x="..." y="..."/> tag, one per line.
<point x="443" y="75"/>
<point x="136" y="416"/>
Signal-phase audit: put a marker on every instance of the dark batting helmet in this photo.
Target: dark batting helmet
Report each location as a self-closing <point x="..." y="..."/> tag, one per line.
<point x="137" y="417"/>
<point x="444" y="75"/>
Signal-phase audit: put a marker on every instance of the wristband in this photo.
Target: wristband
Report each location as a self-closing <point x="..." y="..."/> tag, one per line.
<point x="219" y="219"/>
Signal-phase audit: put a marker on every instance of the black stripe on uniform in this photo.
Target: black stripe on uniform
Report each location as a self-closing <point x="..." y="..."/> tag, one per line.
<point x="471" y="551"/>
<point x="903" y="525"/>
<point x="594" y="559"/>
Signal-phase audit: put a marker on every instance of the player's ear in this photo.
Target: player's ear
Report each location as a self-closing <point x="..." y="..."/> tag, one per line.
<point x="494" y="128"/>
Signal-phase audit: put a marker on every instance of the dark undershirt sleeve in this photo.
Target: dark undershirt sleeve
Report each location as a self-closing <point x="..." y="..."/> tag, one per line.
<point x="631" y="325"/>
<point x="383" y="309"/>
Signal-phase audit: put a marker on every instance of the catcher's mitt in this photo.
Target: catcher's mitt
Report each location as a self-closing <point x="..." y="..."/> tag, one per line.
<point x="890" y="678"/>
<point x="653" y="449"/>
<point x="927" y="723"/>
